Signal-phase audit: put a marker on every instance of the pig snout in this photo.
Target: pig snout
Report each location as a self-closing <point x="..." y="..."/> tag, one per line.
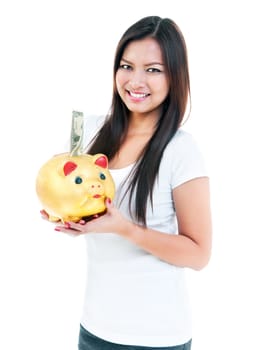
<point x="95" y="189"/>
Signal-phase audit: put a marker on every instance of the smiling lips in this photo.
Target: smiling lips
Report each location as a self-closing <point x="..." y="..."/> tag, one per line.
<point x="138" y="95"/>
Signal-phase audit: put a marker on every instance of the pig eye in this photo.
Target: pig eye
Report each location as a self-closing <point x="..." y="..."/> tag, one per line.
<point x="102" y="176"/>
<point x="78" y="180"/>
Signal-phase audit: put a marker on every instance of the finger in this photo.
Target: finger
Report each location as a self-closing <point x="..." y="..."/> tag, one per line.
<point x="69" y="232"/>
<point x="75" y="226"/>
<point x="44" y="214"/>
<point x="108" y="203"/>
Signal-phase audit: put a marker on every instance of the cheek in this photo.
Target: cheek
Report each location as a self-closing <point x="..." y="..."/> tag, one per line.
<point x="119" y="88"/>
<point x="121" y="79"/>
<point x="167" y="86"/>
<point x="162" y="87"/>
<point x="117" y="84"/>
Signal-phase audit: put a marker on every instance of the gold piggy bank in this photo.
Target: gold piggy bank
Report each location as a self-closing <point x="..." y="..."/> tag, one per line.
<point x="73" y="187"/>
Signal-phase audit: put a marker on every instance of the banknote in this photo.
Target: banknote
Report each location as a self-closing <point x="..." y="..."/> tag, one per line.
<point x="77" y="132"/>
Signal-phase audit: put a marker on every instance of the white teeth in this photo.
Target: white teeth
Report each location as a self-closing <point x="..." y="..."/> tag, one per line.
<point x="137" y="95"/>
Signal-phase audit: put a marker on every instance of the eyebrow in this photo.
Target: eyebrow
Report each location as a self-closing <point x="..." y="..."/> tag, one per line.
<point x="148" y="64"/>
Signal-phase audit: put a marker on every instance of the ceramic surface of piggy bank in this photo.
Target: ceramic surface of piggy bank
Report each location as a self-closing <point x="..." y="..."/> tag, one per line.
<point x="72" y="187"/>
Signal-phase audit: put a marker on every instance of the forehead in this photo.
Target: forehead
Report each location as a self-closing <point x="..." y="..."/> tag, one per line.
<point x="147" y="50"/>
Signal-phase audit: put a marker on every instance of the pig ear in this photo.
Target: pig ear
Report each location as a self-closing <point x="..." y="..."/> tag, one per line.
<point x="69" y="167"/>
<point x="101" y="161"/>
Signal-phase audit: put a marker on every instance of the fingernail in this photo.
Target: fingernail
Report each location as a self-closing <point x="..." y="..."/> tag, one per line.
<point x="109" y="200"/>
<point x="67" y="225"/>
<point x="57" y="229"/>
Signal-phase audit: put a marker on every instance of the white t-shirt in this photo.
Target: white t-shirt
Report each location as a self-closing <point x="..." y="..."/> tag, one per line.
<point x="131" y="296"/>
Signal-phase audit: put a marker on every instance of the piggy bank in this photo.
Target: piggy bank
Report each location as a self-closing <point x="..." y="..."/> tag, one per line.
<point x="73" y="187"/>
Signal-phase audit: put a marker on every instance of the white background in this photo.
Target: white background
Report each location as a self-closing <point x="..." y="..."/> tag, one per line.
<point x="56" y="56"/>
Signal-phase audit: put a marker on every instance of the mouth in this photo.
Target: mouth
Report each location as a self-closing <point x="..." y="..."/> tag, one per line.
<point x="96" y="196"/>
<point x="138" y="95"/>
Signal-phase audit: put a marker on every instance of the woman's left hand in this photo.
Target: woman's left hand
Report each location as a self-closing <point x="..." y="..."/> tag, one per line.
<point x="110" y="222"/>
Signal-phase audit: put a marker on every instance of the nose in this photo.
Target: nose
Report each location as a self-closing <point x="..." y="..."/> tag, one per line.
<point x="137" y="79"/>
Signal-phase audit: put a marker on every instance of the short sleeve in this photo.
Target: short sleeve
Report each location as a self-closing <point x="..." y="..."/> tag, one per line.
<point x="187" y="159"/>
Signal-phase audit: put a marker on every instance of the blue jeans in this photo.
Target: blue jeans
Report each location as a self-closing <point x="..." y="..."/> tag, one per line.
<point x="88" y="341"/>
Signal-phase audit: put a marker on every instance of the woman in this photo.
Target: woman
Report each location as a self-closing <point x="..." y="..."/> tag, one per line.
<point x="159" y="222"/>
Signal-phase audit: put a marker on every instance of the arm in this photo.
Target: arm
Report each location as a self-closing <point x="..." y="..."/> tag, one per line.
<point x="192" y="246"/>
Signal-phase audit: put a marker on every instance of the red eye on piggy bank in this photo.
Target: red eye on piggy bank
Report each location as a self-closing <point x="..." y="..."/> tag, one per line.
<point x="72" y="187"/>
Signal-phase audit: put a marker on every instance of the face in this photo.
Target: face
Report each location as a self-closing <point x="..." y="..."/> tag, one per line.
<point x="141" y="79"/>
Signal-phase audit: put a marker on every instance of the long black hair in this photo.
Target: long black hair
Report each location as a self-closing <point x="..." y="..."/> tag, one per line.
<point x="110" y="136"/>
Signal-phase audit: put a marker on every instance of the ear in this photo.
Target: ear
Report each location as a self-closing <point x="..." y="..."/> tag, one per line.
<point x="101" y="160"/>
<point x="69" y="167"/>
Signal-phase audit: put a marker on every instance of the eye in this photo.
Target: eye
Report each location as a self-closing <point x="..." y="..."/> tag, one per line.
<point x="102" y="176"/>
<point x="153" y="70"/>
<point x="78" y="180"/>
<point x="125" y="66"/>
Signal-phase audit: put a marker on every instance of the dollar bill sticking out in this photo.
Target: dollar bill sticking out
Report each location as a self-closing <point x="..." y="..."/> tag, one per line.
<point x="77" y="132"/>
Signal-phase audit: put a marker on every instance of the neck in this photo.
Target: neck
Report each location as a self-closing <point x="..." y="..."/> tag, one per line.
<point x="142" y="124"/>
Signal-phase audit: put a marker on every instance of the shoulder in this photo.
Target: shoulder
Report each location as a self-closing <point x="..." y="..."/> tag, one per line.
<point x="181" y="142"/>
<point x="183" y="137"/>
<point x="183" y="159"/>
